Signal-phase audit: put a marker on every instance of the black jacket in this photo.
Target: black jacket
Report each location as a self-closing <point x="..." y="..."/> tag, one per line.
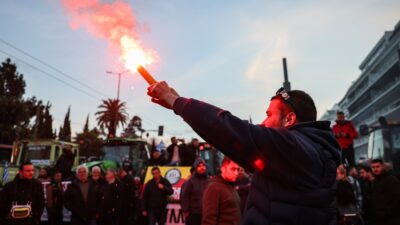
<point x="189" y="153"/>
<point x="74" y="202"/>
<point x="110" y="201"/>
<point x="294" y="169"/>
<point x="22" y="191"/>
<point x="64" y="164"/>
<point x="155" y="198"/>
<point x="385" y="199"/>
<point x="170" y="151"/>
<point x="192" y="191"/>
<point x="129" y="199"/>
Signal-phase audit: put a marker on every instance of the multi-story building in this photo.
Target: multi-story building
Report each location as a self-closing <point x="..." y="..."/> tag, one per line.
<point x="376" y="92"/>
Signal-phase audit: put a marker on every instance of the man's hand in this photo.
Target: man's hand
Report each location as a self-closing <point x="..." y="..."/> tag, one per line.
<point x="161" y="186"/>
<point x="162" y="94"/>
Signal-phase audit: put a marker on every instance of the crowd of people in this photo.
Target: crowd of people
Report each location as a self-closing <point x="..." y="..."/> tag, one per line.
<point x="178" y="153"/>
<point x="302" y="172"/>
<point x="112" y="199"/>
<point x="368" y="194"/>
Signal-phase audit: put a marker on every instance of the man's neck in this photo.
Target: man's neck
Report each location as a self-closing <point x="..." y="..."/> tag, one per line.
<point x="83" y="181"/>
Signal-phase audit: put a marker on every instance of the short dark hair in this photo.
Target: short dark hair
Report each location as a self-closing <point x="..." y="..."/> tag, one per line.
<point x="340" y="113"/>
<point x="303" y="105"/>
<point x="21" y="167"/>
<point x="155" y="168"/>
<point x="377" y="161"/>
<point x="366" y="168"/>
<point x="226" y="161"/>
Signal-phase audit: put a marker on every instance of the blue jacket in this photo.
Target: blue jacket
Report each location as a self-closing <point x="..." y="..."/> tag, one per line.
<point x="294" y="169"/>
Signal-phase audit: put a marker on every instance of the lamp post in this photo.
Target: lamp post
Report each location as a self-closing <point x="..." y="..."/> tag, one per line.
<point x="119" y="79"/>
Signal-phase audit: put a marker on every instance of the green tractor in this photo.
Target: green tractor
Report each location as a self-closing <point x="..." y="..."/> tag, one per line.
<point x="116" y="151"/>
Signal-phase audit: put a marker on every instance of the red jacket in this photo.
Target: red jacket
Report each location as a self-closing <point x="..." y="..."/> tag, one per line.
<point x="348" y="129"/>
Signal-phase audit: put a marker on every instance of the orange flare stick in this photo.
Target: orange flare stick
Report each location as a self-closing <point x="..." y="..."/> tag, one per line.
<point x="146" y="75"/>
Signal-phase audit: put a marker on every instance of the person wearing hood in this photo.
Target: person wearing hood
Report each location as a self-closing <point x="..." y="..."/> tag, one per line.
<point x="345" y="133"/>
<point x="293" y="156"/>
<point x="385" y="195"/>
<point x="192" y="193"/>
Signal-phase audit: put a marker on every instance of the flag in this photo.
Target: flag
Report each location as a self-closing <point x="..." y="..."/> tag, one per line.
<point x="5" y="173"/>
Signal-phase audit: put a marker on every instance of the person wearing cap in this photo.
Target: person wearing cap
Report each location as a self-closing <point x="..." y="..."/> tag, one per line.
<point x="192" y="193"/>
<point x="293" y="156"/>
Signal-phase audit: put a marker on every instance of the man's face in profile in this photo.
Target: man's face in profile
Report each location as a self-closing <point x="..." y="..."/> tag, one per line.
<point x="275" y="114"/>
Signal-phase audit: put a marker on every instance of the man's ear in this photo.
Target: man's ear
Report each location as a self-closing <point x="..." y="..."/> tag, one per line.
<point x="290" y="120"/>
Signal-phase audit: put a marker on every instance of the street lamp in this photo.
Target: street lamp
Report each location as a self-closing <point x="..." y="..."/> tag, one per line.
<point x="119" y="79"/>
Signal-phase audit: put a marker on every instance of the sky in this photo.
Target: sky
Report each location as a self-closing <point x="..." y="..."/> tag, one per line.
<point x="227" y="53"/>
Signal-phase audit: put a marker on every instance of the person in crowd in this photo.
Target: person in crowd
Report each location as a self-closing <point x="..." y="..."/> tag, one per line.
<point x="110" y="203"/>
<point x="242" y="186"/>
<point x="55" y="200"/>
<point x="385" y="196"/>
<point x="96" y="178"/>
<point x="190" y="152"/>
<point x="366" y="179"/>
<point x="221" y="202"/>
<point x="346" y="199"/>
<point x="345" y="133"/>
<point x="293" y="156"/>
<point x="192" y="193"/>
<point x="155" y="197"/>
<point x="81" y="198"/>
<point x="22" y="200"/>
<point x="175" y="156"/>
<point x="44" y="175"/>
<point x="128" y="167"/>
<point x="139" y="186"/>
<point x="66" y="161"/>
<point x="139" y="218"/>
<point x="353" y="179"/>
<point x="129" y="196"/>
<point x="156" y="159"/>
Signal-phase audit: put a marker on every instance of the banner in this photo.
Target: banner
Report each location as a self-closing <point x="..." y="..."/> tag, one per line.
<point x="176" y="175"/>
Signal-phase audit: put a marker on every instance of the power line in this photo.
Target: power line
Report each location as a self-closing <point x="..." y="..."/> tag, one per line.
<point x="65" y="75"/>
<point x="50" y="75"/>
<point x="51" y="67"/>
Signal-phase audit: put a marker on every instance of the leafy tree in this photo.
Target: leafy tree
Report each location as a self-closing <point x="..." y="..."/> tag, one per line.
<point x="86" y="126"/>
<point x="89" y="141"/>
<point x="16" y="111"/>
<point x="65" y="132"/>
<point x="112" y="114"/>
<point x="47" y="131"/>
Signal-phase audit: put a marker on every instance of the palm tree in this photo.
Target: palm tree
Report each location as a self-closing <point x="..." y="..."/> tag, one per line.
<point x="111" y="115"/>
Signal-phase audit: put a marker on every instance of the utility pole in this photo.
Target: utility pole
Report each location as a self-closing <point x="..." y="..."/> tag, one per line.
<point x="119" y="79"/>
<point x="286" y="83"/>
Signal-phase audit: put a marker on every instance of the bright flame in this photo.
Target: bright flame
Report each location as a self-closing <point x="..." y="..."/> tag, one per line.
<point x="115" y="21"/>
<point x="134" y="55"/>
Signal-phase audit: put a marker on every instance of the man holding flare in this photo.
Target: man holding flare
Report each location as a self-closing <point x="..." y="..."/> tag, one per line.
<point x="293" y="156"/>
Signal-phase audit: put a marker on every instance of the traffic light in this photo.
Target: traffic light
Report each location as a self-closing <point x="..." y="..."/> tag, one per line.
<point x="160" y="130"/>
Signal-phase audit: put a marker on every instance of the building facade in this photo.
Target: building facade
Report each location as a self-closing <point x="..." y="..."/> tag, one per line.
<point x="376" y="92"/>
